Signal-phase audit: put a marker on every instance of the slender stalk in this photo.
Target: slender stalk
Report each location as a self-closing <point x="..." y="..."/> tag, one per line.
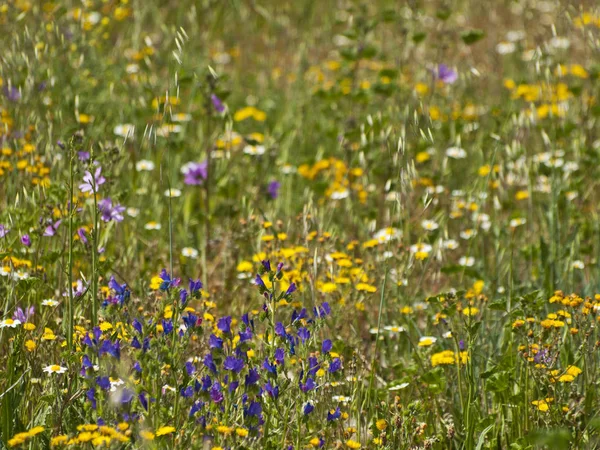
<point x="70" y="259"/>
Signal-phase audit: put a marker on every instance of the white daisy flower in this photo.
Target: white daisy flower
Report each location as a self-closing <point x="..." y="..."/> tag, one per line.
<point x="450" y="244"/>
<point x="456" y="153"/>
<point x="466" y="261"/>
<point x="254" y="150"/>
<point x="152" y="226"/>
<point x="10" y="323"/>
<point x="578" y="264"/>
<point x="189" y="252"/>
<point x="387" y="234"/>
<point x="173" y="193"/>
<point x="124" y="130"/>
<point x="133" y="212"/>
<point x="514" y="223"/>
<point x="49" y="302"/>
<point x="339" y="195"/>
<point x="54" y="368"/>
<point x="505" y="48"/>
<point x="429" y="225"/>
<point x="144" y="165"/>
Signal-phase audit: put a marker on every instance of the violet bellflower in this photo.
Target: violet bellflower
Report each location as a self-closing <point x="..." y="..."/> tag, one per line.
<point x="446" y="74"/>
<point x="195" y="173"/>
<point x="91" y="183"/>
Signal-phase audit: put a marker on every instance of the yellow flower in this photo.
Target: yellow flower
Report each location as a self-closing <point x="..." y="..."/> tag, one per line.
<point x="245" y="266"/>
<point x="155" y="282"/>
<point x="471" y="311"/>
<point x="241" y="432"/>
<point x="352" y="444"/>
<point x="147" y="435"/>
<point x="249" y="111"/>
<point x="327" y="288"/>
<point x="58" y="440"/>
<point x="364" y="287"/>
<point x="29" y="326"/>
<point x="30" y="345"/>
<point x="542" y="405"/>
<point x="381" y="424"/>
<point x="162" y="431"/>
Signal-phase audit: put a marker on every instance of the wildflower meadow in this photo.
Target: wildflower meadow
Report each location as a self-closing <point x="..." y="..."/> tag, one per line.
<point x="309" y="224"/>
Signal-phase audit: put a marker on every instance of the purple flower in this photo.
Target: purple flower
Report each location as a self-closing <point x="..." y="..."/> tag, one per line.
<point x="121" y="291"/>
<point x="335" y="365"/>
<point x="259" y="281"/>
<point x="215" y="342"/>
<point x="233" y="364"/>
<point x="279" y="356"/>
<point x="335" y="415"/>
<point x="26" y="240"/>
<point x="217" y="103"/>
<point x="23" y="316"/>
<point x="271" y="368"/>
<point x="12" y="93"/>
<point x="255" y="409"/>
<point x="195" y="173"/>
<point x="167" y="281"/>
<point x="91" y="396"/>
<point x="215" y="392"/>
<point x="224" y="324"/>
<point x="327" y="346"/>
<point x="51" y="229"/>
<point x="279" y="329"/>
<point x="143" y="400"/>
<point x="266" y="264"/>
<point x="273" y="391"/>
<point x="81" y="234"/>
<point x="273" y="189"/>
<point x="92" y="182"/>
<point x="83" y="156"/>
<point x="446" y="74"/>
<point x="303" y="334"/>
<point x="252" y="377"/>
<point x="3" y="231"/>
<point x="308" y="408"/>
<point x="109" y="211"/>
<point x="308" y="386"/>
<point x="209" y="363"/>
<point x="290" y="289"/>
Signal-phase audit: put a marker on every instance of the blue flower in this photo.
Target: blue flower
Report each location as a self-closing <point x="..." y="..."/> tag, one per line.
<point x="273" y="391"/>
<point x="103" y="383"/>
<point x="233" y="364"/>
<point x="290" y="289"/>
<point x="333" y="415"/>
<point x="326" y="346"/>
<point x="167" y="326"/>
<point x="245" y="335"/>
<point x="167" y="282"/>
<point x="190" y="368"/>
<point x="303" y="334"/>
<point x="224" y="324"/>
<point x="215" y="392"/>
<point x="209" y="363"/>
<point x="252" y="377"/>
<point x="335" y="365"/>
<point x="143" y="400"/>
<point x="271" y="368"/>
<point x="215" y="342"/>
<point x="308" y="408"/>
<point x="279" y="356"/>
<point x="266" y="264"/>
<point x="279" y="329"/>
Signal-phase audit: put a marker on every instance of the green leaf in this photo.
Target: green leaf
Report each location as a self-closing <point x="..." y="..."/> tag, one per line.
<point x="481" y="439"/>
<point x="471" y="36"/>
